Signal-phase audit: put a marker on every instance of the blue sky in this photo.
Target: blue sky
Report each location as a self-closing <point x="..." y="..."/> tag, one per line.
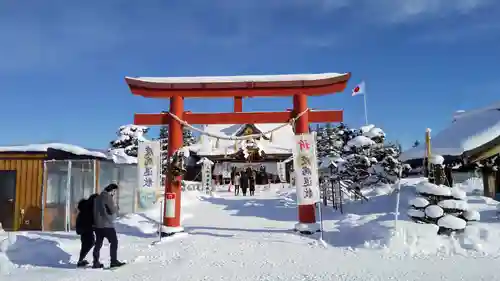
<point x="62" y="63"/>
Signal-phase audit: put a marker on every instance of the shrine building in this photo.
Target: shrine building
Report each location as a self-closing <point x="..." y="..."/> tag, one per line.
<point x="229" y="155"/>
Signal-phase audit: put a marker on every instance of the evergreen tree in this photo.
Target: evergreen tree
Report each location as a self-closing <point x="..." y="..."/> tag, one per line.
<point x="187" y="136"/>
<point x="363" y="156"/>
<point x="129" y="137"/>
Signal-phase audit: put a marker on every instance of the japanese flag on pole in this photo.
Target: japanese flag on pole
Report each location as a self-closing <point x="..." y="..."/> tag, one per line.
<point x="359" y="89"/>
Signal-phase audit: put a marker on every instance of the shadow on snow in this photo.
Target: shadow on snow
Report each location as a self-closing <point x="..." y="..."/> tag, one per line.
<point x="40" y="252"/>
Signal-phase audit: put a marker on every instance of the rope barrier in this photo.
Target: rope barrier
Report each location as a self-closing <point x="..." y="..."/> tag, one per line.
<point x="253" y="136"/>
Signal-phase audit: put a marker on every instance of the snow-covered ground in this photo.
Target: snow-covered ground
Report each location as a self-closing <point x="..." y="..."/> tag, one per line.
<point x="250" y="238"/>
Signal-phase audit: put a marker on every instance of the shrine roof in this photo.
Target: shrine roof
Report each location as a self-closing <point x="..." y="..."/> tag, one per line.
<point x="322" y="83"/>
<point x="281" y="141"/>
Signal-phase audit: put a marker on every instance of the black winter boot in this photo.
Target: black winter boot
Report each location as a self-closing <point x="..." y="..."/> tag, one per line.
<point x="116" y="263"/>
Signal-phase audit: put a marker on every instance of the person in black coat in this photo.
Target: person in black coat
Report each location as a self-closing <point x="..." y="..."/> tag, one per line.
<point x="244" y="183"/>
<point x="252" y="178"/>
<point x="84" y="227"/>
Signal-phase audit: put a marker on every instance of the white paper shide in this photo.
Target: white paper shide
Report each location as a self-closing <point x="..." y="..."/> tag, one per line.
<point x="306" y="170"/>
<point x="149" y="165"/>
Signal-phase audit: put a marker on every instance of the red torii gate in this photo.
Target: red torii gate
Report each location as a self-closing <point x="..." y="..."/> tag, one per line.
<point x="238" y="87"/>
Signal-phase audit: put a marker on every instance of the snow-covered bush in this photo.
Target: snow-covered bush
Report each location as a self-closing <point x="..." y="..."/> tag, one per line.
<point x="129" y="137"/>
<point x="367" y="158"/>
<point x="443" y="206"/>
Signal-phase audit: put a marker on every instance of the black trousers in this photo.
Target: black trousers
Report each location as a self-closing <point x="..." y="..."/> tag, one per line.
<point x="237" y="189"/>
<point x="87" y="239"/>
<point x="110" y="235"/>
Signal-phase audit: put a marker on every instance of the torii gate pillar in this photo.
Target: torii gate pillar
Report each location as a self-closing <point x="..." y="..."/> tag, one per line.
<point x="172" y="225"/>
<point x="306" y="213"/>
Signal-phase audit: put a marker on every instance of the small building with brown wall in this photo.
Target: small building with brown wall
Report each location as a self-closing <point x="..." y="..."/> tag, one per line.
<point x="36" y="180"/>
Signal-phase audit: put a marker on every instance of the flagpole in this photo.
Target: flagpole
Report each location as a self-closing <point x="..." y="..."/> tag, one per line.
<point x="366" y="111"/>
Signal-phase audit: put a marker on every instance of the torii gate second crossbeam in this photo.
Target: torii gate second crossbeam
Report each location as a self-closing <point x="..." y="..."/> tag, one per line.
<point x="237" y="87"/>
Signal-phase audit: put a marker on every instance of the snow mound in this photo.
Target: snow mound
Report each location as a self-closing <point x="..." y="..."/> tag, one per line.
<point x="454" y="204"/>
<point x="432" y="189"/>
<point x="436" y="159"/>
<point x="419" y="202"/>
<point x="452" y="222"/>
<point x="7" y="239"/>
<point x="472" y="215"/>
<point x="458" y="194"/>
<point x="146" y="222"/>
<point x="415" y="213"/>
<point x="434" y="211"/>
<point x="473" y="185"/>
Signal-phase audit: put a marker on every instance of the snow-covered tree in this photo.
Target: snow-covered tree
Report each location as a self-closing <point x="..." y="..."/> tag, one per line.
<point x="129" y="137"/>
<point x="187" y="136"/>
<point x="362" y="156"/>
<point x="441" y="205"/>
<point x="331" y="140"/>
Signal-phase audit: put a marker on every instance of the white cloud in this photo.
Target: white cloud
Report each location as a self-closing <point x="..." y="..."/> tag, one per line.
<point x="55" y="33"/>
<point x="410" y="10"/>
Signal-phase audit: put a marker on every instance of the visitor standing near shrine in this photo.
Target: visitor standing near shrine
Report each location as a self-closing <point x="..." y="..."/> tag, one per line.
<point x="105" y="213"/>
<point x="237" y="182"/>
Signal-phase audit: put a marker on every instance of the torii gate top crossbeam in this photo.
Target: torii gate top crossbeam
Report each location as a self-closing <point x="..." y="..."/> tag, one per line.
<point x="239" y="86"/>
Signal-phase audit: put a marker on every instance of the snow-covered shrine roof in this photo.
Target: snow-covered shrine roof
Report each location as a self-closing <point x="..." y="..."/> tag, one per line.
<point x="237" y="79"/>
<point x="468" y="131"/>
<point x="73" y="149"/>
<point x="281" y="141"/>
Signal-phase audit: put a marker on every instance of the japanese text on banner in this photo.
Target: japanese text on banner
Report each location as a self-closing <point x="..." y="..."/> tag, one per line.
<point x="207" y="176"/>
<point x="306" y="170"/>
<point x="149" y="165"/>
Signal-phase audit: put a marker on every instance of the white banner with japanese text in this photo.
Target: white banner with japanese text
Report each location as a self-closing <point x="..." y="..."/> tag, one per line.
<point x="281" y="167"/>
<point x="206" y="176"/>
<point x="149" y="164"/>
<point x="306" y="169"/>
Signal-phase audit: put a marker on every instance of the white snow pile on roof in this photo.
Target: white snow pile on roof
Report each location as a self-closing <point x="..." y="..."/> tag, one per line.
<point x="468" y="131"/>
<point x="243" y="78"/>
<point x="77" y="150"/>
<point x="119" y="156"/>
<point x="281" y="141"/>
